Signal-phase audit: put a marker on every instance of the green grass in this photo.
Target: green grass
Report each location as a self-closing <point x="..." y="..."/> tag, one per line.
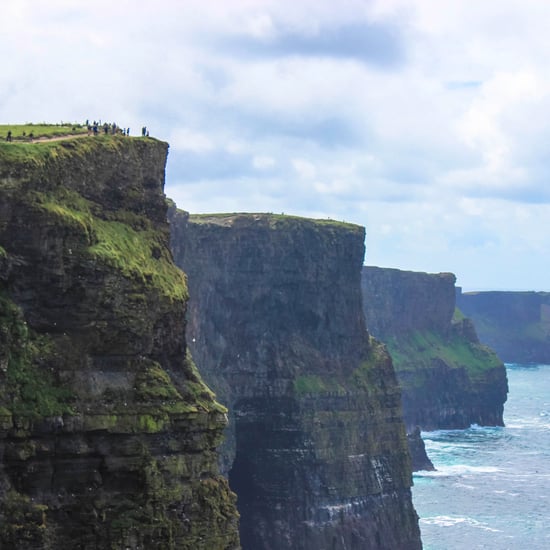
<point x="311" y="383"/>
<point x="275" y="220"/>
<point x="29" y="388"/>
<point x="126" y="242"/>
<point x="153" y="383"/>
<point x="418" y="350"/>
<point x="37" y="154"/>
<point x="133" y="253"/>
<point x="364" y="377"/>
<point x="33" y="155"/>
<point x="21" y="132"/>
<point x="458" y="315"/>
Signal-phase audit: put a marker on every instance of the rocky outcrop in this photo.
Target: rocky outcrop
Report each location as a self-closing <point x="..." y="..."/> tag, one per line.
<point x="448" y="379"/>
<point x="419" y="457"/>
<point x="316" y="446"/>
<point x="108" y="435"/>
<point x="515" y="324"/>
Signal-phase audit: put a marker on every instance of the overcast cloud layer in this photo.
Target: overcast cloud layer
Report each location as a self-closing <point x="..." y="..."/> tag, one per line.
<point x="423" y="120"/>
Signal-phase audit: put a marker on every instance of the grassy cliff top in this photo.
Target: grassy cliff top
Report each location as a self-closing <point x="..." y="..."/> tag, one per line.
<point x="24" y="132"/>
<point x="36" y="153"/>
<point x="273" y="220"/>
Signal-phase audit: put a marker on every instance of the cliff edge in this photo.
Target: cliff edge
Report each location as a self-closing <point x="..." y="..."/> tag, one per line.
<point x="448" y="379"/>
<point x="107" y="433"/>
<point x="316" y="449"/>
<point x="515" y="324"/>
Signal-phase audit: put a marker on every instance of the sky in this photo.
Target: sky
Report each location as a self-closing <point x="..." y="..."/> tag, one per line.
<point x="425" y="121"/>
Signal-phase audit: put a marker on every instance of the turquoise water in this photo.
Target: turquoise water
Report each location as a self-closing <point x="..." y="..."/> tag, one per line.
<point x="492" y="487"/>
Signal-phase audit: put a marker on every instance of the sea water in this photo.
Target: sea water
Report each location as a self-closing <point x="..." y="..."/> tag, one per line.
<point x="491" y="489"/>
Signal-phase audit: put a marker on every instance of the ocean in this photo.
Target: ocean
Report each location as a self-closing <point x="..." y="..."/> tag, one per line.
<point x="491" y="489"/>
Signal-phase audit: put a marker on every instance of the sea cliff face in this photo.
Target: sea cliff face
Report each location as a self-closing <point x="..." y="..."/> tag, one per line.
<point x="515" y="324"/>
<point x="316" y="449"/>
<point x="107" y="433"/>
<point x="448" y="379"/>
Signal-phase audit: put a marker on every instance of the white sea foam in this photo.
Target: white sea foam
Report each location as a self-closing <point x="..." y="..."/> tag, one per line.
<point x="451" y="521"/>
<point x="508" y="467"/>
<point x="465" y="486"/>
<point x="456" y="470"/>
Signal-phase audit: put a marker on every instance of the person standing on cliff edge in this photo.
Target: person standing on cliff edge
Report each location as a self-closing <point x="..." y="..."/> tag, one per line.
<point x="8" y="137"/>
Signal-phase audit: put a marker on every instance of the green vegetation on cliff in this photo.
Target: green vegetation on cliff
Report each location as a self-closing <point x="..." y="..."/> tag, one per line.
<point x="365" y="377"/>
<point x="448" y="379"/>
<point x="38" y="155"/>
<point x="420" y="349"/>
<point x="121" y="239"/>
<point x="108" y="434"/>
<point x="25" y="131"/>
<point x="315" y="384"/>
<point x="515" y="324"/>
<point x="275" y="221"/>
<point x="28" y="388"/>
<point x="126" y="242"/>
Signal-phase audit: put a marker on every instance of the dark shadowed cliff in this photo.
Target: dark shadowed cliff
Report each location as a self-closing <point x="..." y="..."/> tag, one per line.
<point x="107" y="433"/>
<point x="448" y="379"/>
<point x="316" y="449"/>
<point x="515" y="324"/>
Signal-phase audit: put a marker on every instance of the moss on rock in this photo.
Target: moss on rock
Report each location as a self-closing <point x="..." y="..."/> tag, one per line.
<point x="29" y="388"/>
<point x="106" y="427"/>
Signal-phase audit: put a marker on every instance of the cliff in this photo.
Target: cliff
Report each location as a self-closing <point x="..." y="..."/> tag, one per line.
<point x="448" y="379"/>
<point x="316" y="449"/>
<point x="515" y="324"/>
<point x="108" y="435"/>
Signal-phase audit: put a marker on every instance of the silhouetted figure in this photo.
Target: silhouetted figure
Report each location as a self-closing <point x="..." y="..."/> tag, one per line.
<point x="8" y="137"/>
<point x="144" y="131"/>
<point x="106" y="128"/>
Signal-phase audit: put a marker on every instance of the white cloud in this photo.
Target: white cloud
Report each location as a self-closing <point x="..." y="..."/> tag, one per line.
<point x="304" y="169"/>
<point x="185" y="139"/>
<point x="263" y="162"/>
<point x="441" y="153"/>
<point x="260" y="25"/>
<point x="483" y="126"/>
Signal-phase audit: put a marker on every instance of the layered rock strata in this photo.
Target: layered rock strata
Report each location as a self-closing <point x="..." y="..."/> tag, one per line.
<point x="448" y="379"/>
<point x="316" y="449"/>
<point x="515" y="324"/>
<point x="107" y="433"/>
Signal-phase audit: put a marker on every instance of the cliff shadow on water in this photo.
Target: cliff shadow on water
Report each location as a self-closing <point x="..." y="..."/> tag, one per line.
<point x="108" y="435"/>
<point x="316" y="448"/>
<point x="447" y="377"/>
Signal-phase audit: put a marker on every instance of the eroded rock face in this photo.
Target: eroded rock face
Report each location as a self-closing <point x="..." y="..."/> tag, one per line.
<point x="419" y="457"/>
<point x="316" y="449"/>
<point x="448" y="379"/>
<point x="107" y="433"/>
<point x="515" y="324"/>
